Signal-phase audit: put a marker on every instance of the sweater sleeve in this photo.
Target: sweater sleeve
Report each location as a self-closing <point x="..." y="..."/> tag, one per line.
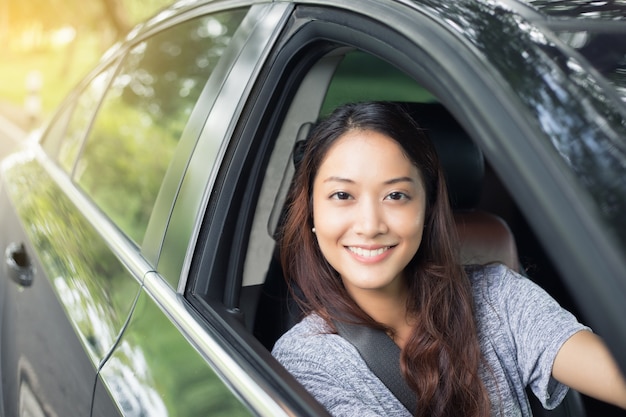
<point x="538" y="327"/>
<point x="332" y="370"/>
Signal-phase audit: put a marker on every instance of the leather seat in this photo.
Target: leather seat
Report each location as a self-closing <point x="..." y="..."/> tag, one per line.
<point x="484" y="237"/>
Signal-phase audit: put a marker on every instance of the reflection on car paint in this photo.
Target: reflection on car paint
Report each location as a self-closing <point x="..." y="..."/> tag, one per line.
<point x="93" y="286"/>
<point x="140" y="371"/>
<point x="129" y="381"/>
<point x="551" y="84"/>
<point x="585" y="9"/>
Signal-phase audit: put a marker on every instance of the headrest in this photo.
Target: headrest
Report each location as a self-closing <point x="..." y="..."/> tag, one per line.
<point x="461" y="159"/>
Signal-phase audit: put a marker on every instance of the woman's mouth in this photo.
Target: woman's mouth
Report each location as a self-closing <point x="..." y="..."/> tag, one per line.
<point x="368" y="253"/>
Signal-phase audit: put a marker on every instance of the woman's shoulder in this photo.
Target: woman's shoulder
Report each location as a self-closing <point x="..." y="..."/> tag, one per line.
<point x="312" y="337"/>
<point x="513" y="298"/>
<point x="331" y="369"/>
<point x="311" y="326"/>
<point x="490" y="270"/>
<point x="312" y="352"/>
<point x="496" y="288"/>
<point x="491" y="277"/>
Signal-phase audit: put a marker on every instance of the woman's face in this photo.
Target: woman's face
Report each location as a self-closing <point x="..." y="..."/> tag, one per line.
<point x="368" y="212"/>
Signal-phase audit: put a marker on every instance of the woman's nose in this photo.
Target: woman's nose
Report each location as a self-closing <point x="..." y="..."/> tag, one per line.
<point x="369" y="220"/>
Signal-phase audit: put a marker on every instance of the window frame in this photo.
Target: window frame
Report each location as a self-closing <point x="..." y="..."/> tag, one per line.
<point x="213" y="125"/>
<point x="166" y="191"/>
<point x="448" y="67"/>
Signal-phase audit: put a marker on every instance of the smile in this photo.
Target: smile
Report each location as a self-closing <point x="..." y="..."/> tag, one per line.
<point x="366" y="253"/>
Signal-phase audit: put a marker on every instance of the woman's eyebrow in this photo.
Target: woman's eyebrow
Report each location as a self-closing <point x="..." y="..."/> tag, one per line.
<point x="399" y="179"/>
<point x="339" y="179"/>
<point x="388" y="182"/>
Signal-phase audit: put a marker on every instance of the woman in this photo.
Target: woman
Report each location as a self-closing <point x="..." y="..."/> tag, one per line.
<point x="369" y="239"/>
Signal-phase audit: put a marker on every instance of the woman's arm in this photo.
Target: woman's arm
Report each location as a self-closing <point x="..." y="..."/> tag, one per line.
<point x="585" y="364"/>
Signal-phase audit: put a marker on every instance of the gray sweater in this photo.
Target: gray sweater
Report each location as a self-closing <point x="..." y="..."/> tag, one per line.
<point x="521" y="329"/>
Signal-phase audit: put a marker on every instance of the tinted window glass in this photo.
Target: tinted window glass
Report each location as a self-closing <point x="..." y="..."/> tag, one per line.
<point x="65" y="135"/>
<point x="361" y="77"/>
<point x="52" y="138"/>
<point x="143" y="114"/>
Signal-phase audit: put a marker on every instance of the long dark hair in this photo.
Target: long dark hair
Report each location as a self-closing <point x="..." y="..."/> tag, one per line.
<point x="442" y="357"/>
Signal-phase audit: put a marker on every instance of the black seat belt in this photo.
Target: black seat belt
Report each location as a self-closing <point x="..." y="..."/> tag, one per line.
<point x="382" y="356"/>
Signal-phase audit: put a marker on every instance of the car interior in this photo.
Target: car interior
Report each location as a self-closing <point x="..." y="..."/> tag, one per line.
<point x="490" y="226"/>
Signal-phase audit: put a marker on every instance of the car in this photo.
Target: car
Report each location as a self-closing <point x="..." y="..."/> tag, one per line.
<point x="138" y="224"/>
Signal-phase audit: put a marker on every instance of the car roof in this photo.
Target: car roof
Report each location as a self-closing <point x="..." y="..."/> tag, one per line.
<point x="549" y="12"/>
<point x="581" y="10"/>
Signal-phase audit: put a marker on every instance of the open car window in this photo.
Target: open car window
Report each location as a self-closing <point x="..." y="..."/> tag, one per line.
<point x="240" y="278"/>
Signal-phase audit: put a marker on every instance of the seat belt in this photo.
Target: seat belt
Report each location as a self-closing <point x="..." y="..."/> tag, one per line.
<point x="382" y="356"/>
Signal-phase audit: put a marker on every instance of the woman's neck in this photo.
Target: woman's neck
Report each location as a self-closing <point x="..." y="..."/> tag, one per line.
<point x="388" y="309"/>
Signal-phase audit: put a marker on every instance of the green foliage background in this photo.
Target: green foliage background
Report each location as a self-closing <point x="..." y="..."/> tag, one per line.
<point x="61" y="68"/>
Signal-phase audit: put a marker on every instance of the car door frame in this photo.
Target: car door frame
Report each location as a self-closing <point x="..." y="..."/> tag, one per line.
<point x="481" y="98"/>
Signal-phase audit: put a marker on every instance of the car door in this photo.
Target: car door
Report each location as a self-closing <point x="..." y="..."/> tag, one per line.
<point x="233" y="256"/>
<point x="169" y="360"/>
<point x="192" y="345"/>
<point x="67" y="292"/>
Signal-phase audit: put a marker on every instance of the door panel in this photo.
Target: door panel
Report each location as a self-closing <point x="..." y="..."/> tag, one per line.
<point x="156" y="371"/>
<point x="58" y="328"/>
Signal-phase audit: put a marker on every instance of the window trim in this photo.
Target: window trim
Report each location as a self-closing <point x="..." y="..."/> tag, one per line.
<point x="157" y="227"/>
<point x="198" y="184"/>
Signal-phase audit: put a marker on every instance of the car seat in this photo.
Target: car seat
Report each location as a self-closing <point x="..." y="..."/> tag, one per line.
<point x="484" y="237"/>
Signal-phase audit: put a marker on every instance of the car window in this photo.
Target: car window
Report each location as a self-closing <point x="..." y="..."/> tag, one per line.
<point x="334" y="80"/>
<point x="143" y="114"/>
<point x="55" y="131"/>
<point x="353" y="82"/>
<point x="65" y="134"/>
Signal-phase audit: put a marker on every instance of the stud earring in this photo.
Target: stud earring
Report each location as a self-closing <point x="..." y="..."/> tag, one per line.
<point x="313" y="229"/>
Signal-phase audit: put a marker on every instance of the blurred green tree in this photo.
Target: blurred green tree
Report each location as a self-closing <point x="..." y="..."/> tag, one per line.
<point x="62" y="40"/>
<point x="116" y="16"/>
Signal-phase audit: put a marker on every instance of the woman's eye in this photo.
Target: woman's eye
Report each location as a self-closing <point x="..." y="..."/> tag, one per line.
<point x="340" y="195"/>
<point x="397" y="195"/>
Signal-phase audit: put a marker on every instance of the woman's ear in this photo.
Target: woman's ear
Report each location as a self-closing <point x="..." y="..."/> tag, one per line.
<point x="298" y="152"/>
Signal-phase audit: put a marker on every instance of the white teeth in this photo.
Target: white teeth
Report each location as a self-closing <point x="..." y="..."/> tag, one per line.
<point x="367" y="253"/>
